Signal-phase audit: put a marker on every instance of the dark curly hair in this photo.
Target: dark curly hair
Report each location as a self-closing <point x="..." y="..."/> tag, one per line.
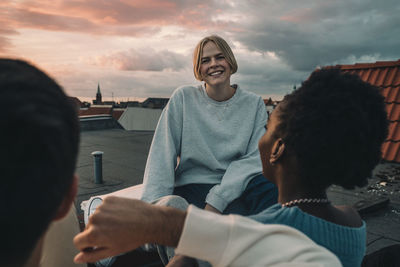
<point x="334" y="125"/>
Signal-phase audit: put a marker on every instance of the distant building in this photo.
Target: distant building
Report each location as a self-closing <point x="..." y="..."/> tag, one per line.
<point x="269" y="102"/>
<point x="269" y="105"/>
<point x="125" y="104"/>
<point x="78" y="104"/>
<point x="112" y="103"/>
<point x="155" y="102"/>
<point x="117" y="113"/>
<point x="98" y="100"/>
<point x="85" y="104"/>
<point x="96" y="110"/>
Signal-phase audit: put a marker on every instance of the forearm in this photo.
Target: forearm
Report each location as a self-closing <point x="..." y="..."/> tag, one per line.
<point x="233" y="240"/>
<point x="167" y="226"/>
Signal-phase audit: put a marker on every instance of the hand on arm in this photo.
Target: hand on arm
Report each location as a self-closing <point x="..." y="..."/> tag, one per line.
<point x="120" y="225"/>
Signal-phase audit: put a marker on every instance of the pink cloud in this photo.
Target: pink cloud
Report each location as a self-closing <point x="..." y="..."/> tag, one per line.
<point x="5" y="31"/>
<point x="143" y="60"/>
<point x="33" y="19"/>
<point x="4" y="44"/>
<point x="136" y="18"/>
<point x="88" y="15"/>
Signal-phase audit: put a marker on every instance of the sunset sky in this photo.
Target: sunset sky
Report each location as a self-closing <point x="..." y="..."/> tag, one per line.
<point x="137" y="49"/>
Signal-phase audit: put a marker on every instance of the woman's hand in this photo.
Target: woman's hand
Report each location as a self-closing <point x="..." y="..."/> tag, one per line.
<point x="211" y="208"/>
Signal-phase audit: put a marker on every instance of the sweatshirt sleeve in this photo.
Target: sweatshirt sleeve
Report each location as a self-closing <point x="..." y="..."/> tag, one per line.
<point x="239" y="172"/>
<point x="233" y="240"/>
<point x="159" y="174"/>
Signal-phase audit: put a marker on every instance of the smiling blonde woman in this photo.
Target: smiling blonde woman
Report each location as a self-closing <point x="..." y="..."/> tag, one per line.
<point x="213" y="129"/>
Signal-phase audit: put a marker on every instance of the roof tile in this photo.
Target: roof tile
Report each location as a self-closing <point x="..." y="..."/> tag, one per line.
<point x="393" y="77"/>
<point x="391" y="94"/>
<point x="374" y="77"/>
<point x="391" y="151"/>
<point x="394" y="132"/>
<point x="393" y="112"/>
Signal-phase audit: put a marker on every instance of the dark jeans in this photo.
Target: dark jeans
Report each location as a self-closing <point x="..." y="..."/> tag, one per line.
<point x="259" y="194"/>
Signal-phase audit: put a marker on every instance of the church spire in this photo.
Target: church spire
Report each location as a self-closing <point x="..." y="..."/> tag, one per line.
<point x="98" y="95"/>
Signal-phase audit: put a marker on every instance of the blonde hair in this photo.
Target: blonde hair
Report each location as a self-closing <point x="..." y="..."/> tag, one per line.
<point x="222" y="45"/>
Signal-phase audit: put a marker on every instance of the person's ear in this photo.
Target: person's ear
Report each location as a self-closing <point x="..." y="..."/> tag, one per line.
<point x="69" y="197"/>
<point x="278" y="148"/>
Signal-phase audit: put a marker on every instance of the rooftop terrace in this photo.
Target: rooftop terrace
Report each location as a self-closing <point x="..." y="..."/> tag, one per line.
<point x="124" y="159"/>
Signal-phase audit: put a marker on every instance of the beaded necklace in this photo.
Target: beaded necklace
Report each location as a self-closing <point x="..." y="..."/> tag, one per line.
<point x="305" y="200"/>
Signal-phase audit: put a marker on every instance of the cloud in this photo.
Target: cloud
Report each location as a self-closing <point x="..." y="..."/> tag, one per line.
<point x="144" y="60"/>
<point x="266" y="74"/>
<point x="4" y="44"/>
<point x="22" y="18"/>
<point x="319" y="33"/>
<point x="145" y="47"/>
<point x="111" y="17"/>
<point x="5" y="31"/>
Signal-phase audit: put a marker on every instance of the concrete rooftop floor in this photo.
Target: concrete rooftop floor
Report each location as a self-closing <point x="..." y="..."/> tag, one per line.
<point x="124" y="159"/>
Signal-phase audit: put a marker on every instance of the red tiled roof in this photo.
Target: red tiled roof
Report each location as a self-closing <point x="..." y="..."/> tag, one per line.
<point x="386" y="75"/>
<point x="95" y="111"/>
<point x="393" y="111"/>
<point x="117" y="114"/>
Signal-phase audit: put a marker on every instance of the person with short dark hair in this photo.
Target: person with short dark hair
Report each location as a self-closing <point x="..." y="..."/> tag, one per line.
<point x="39" y="143"/>
<point x="327" y="132"/>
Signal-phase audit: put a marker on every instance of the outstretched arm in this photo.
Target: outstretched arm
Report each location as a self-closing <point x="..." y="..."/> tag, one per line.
<point x="120" y="225"/>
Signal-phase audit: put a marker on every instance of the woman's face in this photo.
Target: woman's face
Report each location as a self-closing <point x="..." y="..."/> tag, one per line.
<point x="266" y="143"/>
<point x="214" y="68"/>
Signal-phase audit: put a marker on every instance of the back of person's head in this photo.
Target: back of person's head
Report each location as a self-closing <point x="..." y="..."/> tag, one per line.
<point x="222" y="45"/>
<point x="39" y="145"/>
<point x="334" y="125"/>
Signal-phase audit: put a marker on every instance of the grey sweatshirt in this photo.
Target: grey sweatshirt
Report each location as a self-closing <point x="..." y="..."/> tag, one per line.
<point x="200" y="140"/>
